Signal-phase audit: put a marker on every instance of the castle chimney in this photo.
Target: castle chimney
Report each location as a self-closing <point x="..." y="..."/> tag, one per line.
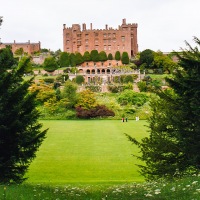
<point x="106" y="26"/>
<point x="64" y="26"/>
<point x="90" y="26"/>
<point x="84" y="26"/>
<point x="124" y="21"/>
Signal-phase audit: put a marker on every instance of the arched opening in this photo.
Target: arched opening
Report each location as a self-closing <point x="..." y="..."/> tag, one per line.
<point x="88" y="71"/>
<point x="93" y="71"/>
<point x="103" y="71"/>
<point x="108" y="71"/>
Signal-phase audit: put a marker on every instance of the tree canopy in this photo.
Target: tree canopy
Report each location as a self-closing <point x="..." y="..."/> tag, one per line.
<point x="20" y="134"/>
<point x="50" y="64"/>
<point x="174" y="140"/>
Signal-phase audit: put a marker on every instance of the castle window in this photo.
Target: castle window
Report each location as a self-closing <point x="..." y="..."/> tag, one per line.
<point x="96" y="40"/>
<point x="67" y="41"/>
<point x="123" y="38"/>
<point x="109" y="34"/>
<point x="118" y="47"/>
<point x="67" y="34"/>
<point x="86" y="35"/>
<point x="86" y="47"/>
<point x="104" y="41"/>
<point x="114" y="40"/>
<point x="86" y="41"/>
<point x="96" y="47"/>
<point x="114" y="35"/>
<point x="104" y="35"/>
<point x="96" y="34"/>
<point x="105" y="47"/>
<point x="109" y="47"/>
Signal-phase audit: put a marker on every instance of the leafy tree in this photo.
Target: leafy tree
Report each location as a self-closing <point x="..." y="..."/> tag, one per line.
<point x="164" y="62"/>
<point x="7" y="60"/>
<point x="44" y="50"/>
<point x="132" y="98"/>
<point x="20" y="134"/>
<point x="87" y="56"/>
<point x="117" y="55"/>
<point x="28" y="68"/>
<point x="79" y="58"/>
<point x="79" y="79"/>
<point x="64" y="59"/>
<point x="19" y="52"/>
<point x="94" y="55"/>
<point x="110" y="56"/>
<point x="50" y="64"/>
<point x="69" y="93"/>
<point x="86" y="100"/>
<point x="128" y="79"/>
<point x="125" y="58"/>
<point x="72" y="60"/>
<point x="147" y="58"/>
<point x="174" y="140"/>
<point x="102" y="56"/>
<point x="45" y="92"/>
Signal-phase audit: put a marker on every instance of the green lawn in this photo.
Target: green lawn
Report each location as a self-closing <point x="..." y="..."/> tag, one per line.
<point x="87" y="152"/>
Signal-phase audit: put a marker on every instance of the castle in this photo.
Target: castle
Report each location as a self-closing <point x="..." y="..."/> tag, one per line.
<point x="109" y="40"/>
<point x="27" y="47"/>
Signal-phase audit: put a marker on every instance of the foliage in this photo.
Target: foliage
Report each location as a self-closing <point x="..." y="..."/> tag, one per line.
<point x="133" y="98"/>
<point x="147" y="58"/>
<point x="64" y="59"/>
<point x="171" y="149"/>
<point x="79" y="79"/>
<point x="103" y="56"/>
<point x="93" y="88"/>
<point x="128" y="79"/>
<point x="117" y="55"/>
<point x="72" y="60"/>
<point x="62" y="77"/>
<point x="45" y="91"/>
<point x="49" y="80"/>
<point x="87" y="56"/>
<point x="125" y="58"/>
<point x="94" y="55"/>
<point x="28" y="67"/>
<point x="20" y="135"/>
<point x="97" y="111"/>
<point x="86" y="100"/>
<point x="79" y="58"/>
<point x="6" y="59"/>
<point x="110" y="56"/>
<point x="50" y="64"/>
<point x="164" y="62"/>
<point x="19" y="52"/>
<point x="69" y="94"/>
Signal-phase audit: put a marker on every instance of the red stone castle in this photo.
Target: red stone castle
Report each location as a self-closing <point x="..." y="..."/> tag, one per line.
<point x="109" y="40"/>
<point x="27" y="47"/>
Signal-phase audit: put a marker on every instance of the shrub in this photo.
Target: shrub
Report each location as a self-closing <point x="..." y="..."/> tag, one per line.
<point x="98" y="111"/>
<point x="94" y="88"/>
<point x="49" y="80"/>
<point x="133" y="98"/>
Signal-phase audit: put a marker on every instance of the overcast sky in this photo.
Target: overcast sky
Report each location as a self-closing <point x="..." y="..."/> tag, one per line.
<point x="162" y="24"/>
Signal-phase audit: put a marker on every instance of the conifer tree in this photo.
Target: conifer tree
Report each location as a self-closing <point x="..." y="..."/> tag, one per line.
<point x="174" y="141"/>
<point x="117" y="55"/>
<point x="20" y="134"/>
<point x="94" y="55"/>
<point x="125" y="58"/>
<point x="87" y="56"/>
